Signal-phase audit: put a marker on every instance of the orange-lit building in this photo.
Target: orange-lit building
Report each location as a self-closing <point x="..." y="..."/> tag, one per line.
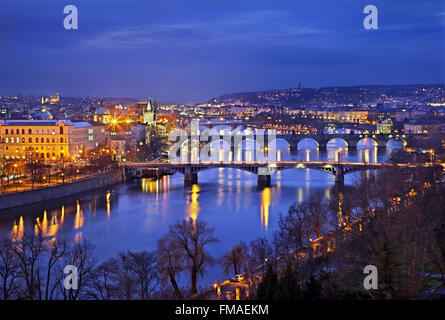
<point x="46" y="139"/>
<point x="50" y="140"/>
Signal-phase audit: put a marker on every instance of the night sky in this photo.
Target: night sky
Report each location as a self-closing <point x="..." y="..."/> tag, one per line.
<point x="190" y="50"/>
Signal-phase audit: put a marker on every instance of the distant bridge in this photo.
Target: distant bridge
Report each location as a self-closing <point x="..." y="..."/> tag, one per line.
<point x="352" y="140"/>
<point x="263" y="170"/>
<point x="322" y="140"/>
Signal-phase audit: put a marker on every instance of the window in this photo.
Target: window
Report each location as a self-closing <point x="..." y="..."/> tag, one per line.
<point x="61" y="130"/>
<point x="61" y="140"/>
<point x="23" y="131"/>
<point x="6" y="131"/>
<point x="23" y="140"/>
<point x="29" y="131"/>
<point x="42" y="140"/>
<point x="17" y="131"/>
<point x="30" y="140"/>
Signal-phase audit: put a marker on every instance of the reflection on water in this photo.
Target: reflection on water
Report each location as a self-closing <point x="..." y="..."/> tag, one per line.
<point x="192" y="203"/>
<point x="135" y="215"/>
<point x="265" y="204"/>
<point x="17" y="230"/>
<point x="78" y="223"/>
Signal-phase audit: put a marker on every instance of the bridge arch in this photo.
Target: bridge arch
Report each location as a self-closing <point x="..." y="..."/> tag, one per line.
<point x="396" y="143"/>
<point x="367" y="143"/>
<point x="220" y="150"/>
<point x="189" y="146"/>
<point x="278" y="143"/>
<point x="336" y="143"/>
<point x="308" y="143"/>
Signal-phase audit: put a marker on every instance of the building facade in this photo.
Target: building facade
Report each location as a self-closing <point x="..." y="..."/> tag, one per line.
<point x="46" y="139"/>
<point x="423" y="127"/>
<point x="49" y="140"/>
<point x="86" y="136"/>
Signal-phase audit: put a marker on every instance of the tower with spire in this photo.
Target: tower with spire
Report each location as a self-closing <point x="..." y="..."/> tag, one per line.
<point x="150" y="113"/>
<point x="149" y="118"/>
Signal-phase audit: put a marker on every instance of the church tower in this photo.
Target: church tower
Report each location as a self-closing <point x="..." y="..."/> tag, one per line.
<point x="150" y="115"/>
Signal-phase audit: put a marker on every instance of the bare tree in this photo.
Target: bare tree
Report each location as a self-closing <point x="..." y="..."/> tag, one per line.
<point x="236" y="259"/>
<point x="143" y="266"/>
<point x="29" y="251"/>
<point x="261" y="250"/>
<point x="35" y="167"/>
<point x="293" y="235"/>
<point x="316" y="219"/>
<point x="81" y="257"/>
<point x="193" y="237"/>
<point x="8" y="269"/>
<point x="170" y="262"/>
<point x="56" y="250"/>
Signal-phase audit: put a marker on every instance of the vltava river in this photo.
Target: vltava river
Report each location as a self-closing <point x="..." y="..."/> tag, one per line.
<point x="133" y="216"/>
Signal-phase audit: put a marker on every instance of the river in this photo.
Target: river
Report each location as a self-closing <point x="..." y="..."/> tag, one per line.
<point x="133" y="216"/>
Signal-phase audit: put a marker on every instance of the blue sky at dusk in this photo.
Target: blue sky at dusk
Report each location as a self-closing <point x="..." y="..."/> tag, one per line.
<point x="191" y="50"/>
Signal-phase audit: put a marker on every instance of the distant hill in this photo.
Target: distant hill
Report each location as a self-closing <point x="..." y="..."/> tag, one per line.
<point x="354" y="95"/>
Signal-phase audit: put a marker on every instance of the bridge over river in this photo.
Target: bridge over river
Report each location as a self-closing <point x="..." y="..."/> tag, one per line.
<point x="262" y="169"/>
<point x="235" y="138"/>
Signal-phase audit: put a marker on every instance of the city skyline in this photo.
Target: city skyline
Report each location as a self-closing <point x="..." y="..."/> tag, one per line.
<point x="193" y="52"/>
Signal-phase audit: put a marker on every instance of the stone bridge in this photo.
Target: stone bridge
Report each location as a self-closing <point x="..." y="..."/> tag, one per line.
<point x="263" y="170"/>
<point x="351" y="140"/>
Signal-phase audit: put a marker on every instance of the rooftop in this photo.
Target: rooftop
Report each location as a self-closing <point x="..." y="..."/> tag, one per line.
<point x="34" y="122"/>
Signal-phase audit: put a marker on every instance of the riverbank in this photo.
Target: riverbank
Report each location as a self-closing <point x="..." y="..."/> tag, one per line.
<point x="28" y="197"/>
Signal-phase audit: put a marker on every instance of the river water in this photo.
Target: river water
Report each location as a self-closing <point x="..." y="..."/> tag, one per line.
<point x="133" y="216"/>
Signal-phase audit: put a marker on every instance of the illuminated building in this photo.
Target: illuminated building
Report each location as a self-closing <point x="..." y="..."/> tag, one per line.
<point x="423" y="126"/>
<point x="52" y="100"/>
<point x="86" y="136"/>
<point x="102" y="115"/>
<point x="150" y="113"/>
<point x="50" y="140"/>
<point x="46" y="139"/>
<point x="384" y="126"/>
<point x="45" y="114"/>
<point x="150" y="120"/>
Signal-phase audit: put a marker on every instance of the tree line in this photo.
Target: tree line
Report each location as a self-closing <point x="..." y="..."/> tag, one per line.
<point x="31" y="267"/>
<point x="394" y="220"/>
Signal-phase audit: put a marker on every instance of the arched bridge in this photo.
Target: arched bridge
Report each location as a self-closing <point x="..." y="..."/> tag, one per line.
<point x="263" y="170"/>
<point x="351" y="140"/>
<point x="235" y="139"/>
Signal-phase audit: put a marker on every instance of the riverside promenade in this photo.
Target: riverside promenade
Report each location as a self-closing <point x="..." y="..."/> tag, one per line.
<point x="91" y="182"/>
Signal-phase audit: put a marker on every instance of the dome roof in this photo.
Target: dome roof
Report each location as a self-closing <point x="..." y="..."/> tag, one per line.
<point x="45" y="113"/>
<point x="101" y="111"/>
